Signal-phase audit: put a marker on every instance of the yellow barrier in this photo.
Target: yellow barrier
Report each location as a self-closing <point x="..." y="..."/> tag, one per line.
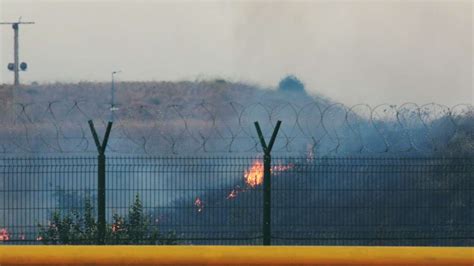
<point x="234" y="255"/>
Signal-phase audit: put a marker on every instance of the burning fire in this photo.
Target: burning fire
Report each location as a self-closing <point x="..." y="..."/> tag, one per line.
<point x="115" y="227"/>
<point x="253" y="176"/>
<point x="4" y="235"/>
<point x="282" y="168"/>
<point x="234" y="192"/>
<point x="199" y="204"/>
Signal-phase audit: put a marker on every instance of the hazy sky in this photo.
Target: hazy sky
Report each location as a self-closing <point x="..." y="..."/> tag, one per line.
<point x="352" y="51"/>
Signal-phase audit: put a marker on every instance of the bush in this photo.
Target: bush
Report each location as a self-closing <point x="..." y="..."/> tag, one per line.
<point x="82" y="228"/>
<point x="291" y="84"/>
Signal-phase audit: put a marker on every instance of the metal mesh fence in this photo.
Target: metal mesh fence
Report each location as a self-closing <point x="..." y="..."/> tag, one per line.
<point x="31" y="189"/>
<point x="190" y="197"/>
<point x="375" y="201"/>
<point x="219" y="200"/>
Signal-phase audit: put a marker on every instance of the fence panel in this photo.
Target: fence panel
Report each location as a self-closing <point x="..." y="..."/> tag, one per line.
<point x="190" y="200"/>
<point x="374" y="201"/>
<point x="33" y="189"/>
<point x="219" y="200"/>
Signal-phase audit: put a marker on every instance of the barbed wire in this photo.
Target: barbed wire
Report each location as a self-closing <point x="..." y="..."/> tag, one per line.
<point x="314" y="128"/>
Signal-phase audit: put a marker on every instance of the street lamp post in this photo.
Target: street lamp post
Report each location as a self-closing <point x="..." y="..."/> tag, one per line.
<point x="113" y="108"/>
<point x="112" y="102"/>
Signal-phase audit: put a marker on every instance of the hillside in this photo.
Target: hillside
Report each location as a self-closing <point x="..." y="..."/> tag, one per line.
<point x="217" y="116"/>
<point x="150" y="93"/>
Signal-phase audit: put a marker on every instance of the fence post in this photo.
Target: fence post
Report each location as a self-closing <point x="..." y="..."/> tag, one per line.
<point x="267" y="192"/>
<point x="100" y="180"/>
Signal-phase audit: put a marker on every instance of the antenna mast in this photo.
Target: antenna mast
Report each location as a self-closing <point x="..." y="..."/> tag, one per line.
<point x="16" y="66"/>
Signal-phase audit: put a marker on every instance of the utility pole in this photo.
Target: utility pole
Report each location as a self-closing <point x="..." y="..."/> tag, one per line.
<point x="16" y="66"/>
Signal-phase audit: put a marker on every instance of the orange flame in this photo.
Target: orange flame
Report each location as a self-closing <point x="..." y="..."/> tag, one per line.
<point x="254" y="175"/>
<point x="199" y="204"/>
<point x="281" y="168"/>
<point x="233" y="194"/>
<point x="4" y="235"/>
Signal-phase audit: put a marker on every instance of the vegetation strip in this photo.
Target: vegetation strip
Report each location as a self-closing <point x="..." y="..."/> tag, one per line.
<point x="234" y="255"/>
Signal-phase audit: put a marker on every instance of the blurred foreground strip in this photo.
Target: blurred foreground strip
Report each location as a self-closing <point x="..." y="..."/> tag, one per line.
<point x="234" y="255"/>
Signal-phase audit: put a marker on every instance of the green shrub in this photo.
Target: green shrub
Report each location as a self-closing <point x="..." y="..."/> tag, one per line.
<point x="82" y="228"/>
